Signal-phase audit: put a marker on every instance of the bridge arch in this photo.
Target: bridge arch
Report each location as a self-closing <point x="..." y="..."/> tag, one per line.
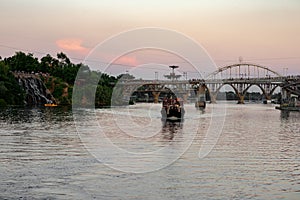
<point x="251" y="85"/>
<point x="259" y="86"/>
<point x="213" y="93"/>
<point x="240" y="95"/>
<point x="231" y="85"/>
<point x="262" y="89"/>
<point x="273" y="89"/>
<point x="243" y="70"/>
<point x="242" y="76"/>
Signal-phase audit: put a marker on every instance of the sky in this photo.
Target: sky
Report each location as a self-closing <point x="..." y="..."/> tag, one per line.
<point x="262" y="32"/>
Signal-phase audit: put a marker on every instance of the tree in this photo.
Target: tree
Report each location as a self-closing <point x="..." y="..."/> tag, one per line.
<point x="61" y="71"/>
<point x="10" y="91"/>
<point x="22" y="62"/>
<point x="63" y="58"/>
<point x="125" y="77"/>
<point x="48" y="63"/>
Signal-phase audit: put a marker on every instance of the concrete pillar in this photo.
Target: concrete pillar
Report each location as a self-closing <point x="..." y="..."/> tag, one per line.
<point x="201" y="90"/>
<point x="213" y="98"/>
<point x="185" y="97"/>
<point x="241" y="99"/>
<point x="283" y="93"/>
<point x="155" y="96"/>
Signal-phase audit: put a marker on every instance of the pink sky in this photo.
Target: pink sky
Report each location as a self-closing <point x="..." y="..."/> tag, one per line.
<point x="262" y="32"/>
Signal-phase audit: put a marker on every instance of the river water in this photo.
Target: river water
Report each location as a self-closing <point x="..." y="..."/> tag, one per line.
<point x="49" y="153"/>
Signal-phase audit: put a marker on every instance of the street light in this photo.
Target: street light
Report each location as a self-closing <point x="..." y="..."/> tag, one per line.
<point x="285" y="71"/>
<point x="185" y="75"/>
<point x="156" y="75"/>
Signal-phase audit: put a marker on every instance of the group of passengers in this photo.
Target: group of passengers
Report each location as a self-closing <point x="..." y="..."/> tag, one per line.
<point x="171" y="103"/>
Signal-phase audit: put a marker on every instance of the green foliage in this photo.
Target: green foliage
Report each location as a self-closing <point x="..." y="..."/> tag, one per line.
<point x="22" y="62"/>
<point x="48" y="84"/>
<point x="125" y="77"/>
<point x="58" y="91"/>
<point x="3" y="103"/>
<point x="61" y="74"/>
<point x="60" y="67"/>
<point x="103" y="95"/>
<point x="10" y="91"/>
<point x="64" y="100"/>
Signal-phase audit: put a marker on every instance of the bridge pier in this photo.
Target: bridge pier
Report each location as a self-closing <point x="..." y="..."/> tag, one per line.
<point x="269" y="97"/>
<point x="286" y="95"/>
<point x="155" y="96"/>
<point x="201" y="89"/>
<point x="185" y="97"/>
<point x="241" y="99"/>
<point x="200" y="93"/>
<point x="213" y="98"/>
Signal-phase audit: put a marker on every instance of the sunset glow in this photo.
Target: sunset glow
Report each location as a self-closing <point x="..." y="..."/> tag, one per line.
<point x="263" y="32"/>
<point x="72" y="45"/>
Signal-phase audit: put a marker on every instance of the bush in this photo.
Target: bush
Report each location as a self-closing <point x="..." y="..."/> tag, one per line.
<point x="3" y="103"/>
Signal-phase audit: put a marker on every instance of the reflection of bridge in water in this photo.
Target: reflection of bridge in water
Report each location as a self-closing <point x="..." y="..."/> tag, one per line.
<point x="240" y="77"/>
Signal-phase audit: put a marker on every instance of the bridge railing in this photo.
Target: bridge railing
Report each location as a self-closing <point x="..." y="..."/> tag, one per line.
<point x="202" y="81"/>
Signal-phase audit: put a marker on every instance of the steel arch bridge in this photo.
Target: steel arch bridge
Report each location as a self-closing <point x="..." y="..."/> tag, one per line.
<point x="243" y="70"/>
<point x="292" y="85"/>
<point x="241" y="77"/>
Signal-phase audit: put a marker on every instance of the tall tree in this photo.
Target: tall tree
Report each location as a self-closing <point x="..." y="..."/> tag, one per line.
<point x="22" y="62"/>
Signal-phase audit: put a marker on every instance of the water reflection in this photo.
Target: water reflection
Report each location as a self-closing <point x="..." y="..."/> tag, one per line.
<point x="257" y="156"/>
<point x="289" y="115"/>
<point x="171" y="128"/>
<point x="284" y="114"/>
<point x="16" y="115"/>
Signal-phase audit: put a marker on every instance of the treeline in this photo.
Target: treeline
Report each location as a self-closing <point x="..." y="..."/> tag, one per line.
<point x="10" y="91"/>
<point x="250" y="96"/>
<point x="60" y="67"/>
<point x="61" y="73"/>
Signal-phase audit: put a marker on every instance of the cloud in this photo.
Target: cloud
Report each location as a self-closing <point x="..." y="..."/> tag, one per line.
<point x="72" y="44"/>
<point x="127" y="60"/>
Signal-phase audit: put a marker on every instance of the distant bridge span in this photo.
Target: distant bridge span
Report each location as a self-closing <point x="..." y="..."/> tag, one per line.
<point x="243" y="70"/>
<point x="239" y="76"/>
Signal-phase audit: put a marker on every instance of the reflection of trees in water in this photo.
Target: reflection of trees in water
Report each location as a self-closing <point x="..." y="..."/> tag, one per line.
<point x="284" y="114"/>
<point x="291" y="116"/>
<point x="170" y="128"/>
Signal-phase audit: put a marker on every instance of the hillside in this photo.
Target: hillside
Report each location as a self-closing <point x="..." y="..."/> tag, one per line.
<point x="56" y="74"/>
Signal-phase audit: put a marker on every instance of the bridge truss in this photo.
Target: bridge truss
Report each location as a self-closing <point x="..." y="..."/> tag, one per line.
<point x="240" y="77"/>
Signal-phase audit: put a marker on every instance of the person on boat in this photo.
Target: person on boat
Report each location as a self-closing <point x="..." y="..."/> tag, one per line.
<point x="177" y="104"/>
<point x="169" y="104"/>
<point x="165" y="102"/>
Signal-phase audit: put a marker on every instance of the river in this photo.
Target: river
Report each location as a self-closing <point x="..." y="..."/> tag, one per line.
<point x="129" y="153"/>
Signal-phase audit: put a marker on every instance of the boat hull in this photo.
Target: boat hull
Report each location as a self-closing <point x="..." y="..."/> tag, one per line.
<point x="288" y="108"/>
<point x="172" y="114"/>
<point x="200" y="105"/>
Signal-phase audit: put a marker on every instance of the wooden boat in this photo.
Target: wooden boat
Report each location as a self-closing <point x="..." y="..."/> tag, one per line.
<point x="172" y="109"/>
<point x="201" y="102"/>
<point x="288" y="108"/>
<point x="293" y="104"/>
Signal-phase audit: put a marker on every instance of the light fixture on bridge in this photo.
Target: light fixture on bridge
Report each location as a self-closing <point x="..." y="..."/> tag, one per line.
<point x="172" y="75"/>
<point x="156" y="75"/>
<point x="285" y="71"/>
<point x="241" y="59"/>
